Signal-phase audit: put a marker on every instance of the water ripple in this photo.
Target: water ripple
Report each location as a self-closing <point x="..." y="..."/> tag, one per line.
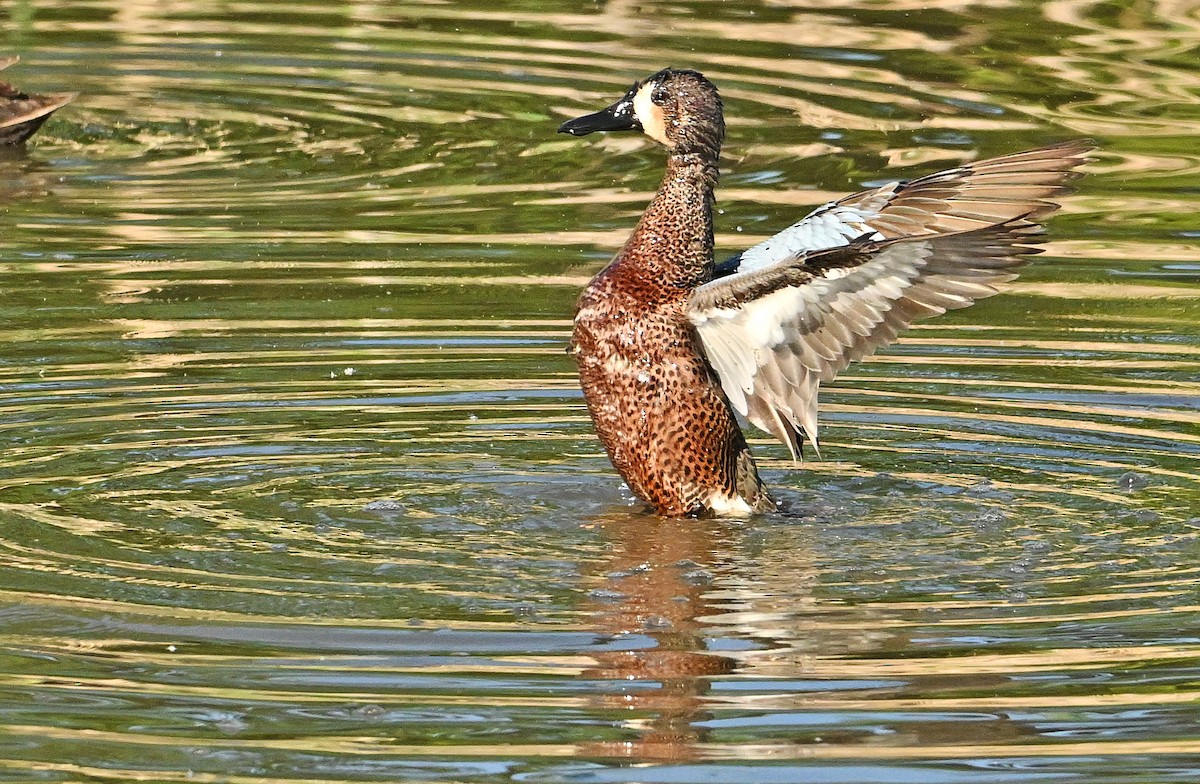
<point x="296" y="480"/>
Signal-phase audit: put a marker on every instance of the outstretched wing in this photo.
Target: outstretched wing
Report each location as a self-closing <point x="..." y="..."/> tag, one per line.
<point x="774" y="334"/>
<point x="791" y="312"/>
<point x="960" y="199"/>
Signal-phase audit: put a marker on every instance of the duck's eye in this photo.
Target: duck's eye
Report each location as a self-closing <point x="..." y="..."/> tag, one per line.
<point x="659" y="96"/>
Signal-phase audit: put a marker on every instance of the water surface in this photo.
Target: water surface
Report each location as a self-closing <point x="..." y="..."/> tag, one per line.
<point x="296" y="482"/>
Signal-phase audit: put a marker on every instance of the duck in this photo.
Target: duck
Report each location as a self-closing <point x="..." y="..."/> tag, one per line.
<point x="21" y="114"/>
<point x="672" y="346"/>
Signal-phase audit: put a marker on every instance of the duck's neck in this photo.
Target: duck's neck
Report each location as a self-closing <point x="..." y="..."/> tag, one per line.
<point x="673" y="243"/>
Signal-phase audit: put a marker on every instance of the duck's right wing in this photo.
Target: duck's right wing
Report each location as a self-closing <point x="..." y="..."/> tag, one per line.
<point x="774" y="334"/>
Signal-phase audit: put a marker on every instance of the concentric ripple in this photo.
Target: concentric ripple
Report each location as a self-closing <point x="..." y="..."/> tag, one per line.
<point x="295" y="478"/>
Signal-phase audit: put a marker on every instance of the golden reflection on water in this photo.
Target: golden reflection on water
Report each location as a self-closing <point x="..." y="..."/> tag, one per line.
<point x="295" y="474"/>
<point x="656" y="584"/>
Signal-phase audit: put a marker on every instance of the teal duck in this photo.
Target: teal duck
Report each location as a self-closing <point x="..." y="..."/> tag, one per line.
<point x="21" y="114"/>
<point x="671" y="344"/>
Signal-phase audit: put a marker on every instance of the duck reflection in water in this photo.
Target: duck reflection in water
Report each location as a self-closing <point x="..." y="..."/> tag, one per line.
<point x="654" y="592"/>
<point x="673" y="591"/>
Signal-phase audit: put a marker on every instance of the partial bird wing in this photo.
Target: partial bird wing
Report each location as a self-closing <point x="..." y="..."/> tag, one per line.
<point x="794" y="311"/>
<point x="21" y="114"/>
<point x="774" y="334"/>
<point x="966" y="197"/>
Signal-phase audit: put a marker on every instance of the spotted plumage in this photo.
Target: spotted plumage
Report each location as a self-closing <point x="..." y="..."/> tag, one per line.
<point x="670" y="345"/>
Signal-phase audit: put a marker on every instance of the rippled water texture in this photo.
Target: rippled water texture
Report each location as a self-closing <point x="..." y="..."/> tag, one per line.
<point x="296" y="483"/>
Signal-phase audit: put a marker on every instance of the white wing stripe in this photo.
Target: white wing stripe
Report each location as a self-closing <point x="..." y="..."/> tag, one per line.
<point x="829" y="226"/>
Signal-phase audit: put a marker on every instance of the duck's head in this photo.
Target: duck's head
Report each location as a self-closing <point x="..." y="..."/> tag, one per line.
<point x="679" y="109"/>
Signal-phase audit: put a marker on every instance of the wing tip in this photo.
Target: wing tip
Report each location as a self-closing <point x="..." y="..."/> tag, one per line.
<point x="812" y="440"/>
<point x="794" y="438"/>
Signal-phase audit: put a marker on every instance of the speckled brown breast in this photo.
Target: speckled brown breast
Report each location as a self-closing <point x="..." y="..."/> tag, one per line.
<point x="656" y="405"/>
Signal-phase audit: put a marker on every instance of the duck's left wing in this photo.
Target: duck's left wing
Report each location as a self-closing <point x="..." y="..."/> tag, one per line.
<point x="774" y="334"/>
<point x="964" y="198"/>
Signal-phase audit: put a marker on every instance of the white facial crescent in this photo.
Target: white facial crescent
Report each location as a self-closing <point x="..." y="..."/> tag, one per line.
<point x="650" y="114"/>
